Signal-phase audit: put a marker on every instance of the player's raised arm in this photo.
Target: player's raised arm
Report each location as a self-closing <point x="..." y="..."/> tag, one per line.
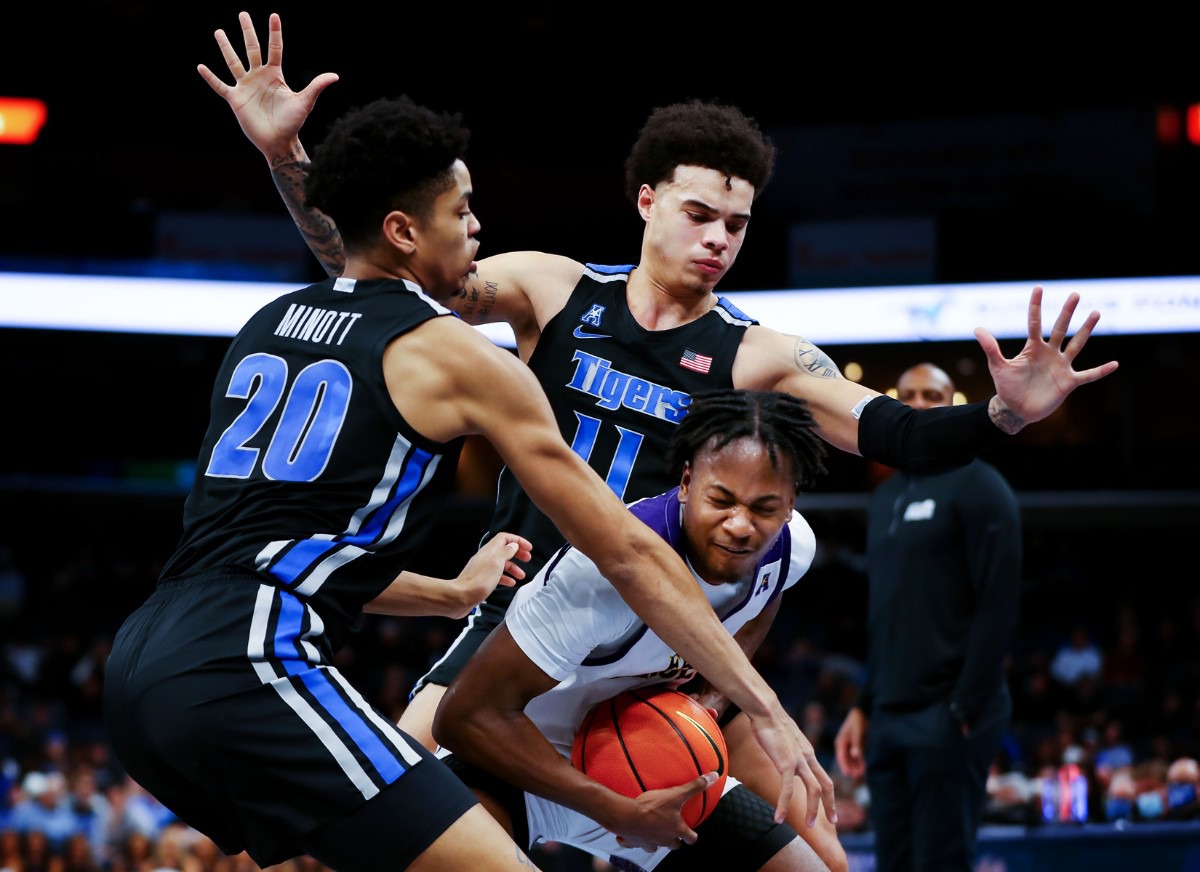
<point x="271" y="114"/>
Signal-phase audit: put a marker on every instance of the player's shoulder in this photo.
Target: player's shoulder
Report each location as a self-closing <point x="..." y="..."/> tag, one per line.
<point x="803" y="544"/>
<point x="530" y="268"/>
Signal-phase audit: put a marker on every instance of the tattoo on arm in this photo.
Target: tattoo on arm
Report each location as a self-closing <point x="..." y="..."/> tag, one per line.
<point x="814" y="360"/>
<point x="1004" y="417"/>
<point x="319" y="232"/>
<point x="477" y="304"/>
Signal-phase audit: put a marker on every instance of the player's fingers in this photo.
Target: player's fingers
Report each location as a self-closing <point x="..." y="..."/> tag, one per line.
<point x="1035" y="313"/>
<point x="786" y="787"/>
<point x="314" y="88"/>
<point x="213" y="82"/>
<point x="232" y="61"/>
<point x="696" y="785"/>
<point x="991" y="348"/>
<point x="275" y="41"/>
<point x="827" y="796"/>
<point x="812" y="789"/>
<point x="1063" y="323"/>
<point x="253" y="50"/>
<point x="1075" y="345"/>
<point x="1087" y="376"/>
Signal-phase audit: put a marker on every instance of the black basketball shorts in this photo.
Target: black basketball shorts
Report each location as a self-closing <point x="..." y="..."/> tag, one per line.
<point x="218" y="701"/>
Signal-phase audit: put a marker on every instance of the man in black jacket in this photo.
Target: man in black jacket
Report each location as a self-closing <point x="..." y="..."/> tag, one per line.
<point x="944" y="570"/>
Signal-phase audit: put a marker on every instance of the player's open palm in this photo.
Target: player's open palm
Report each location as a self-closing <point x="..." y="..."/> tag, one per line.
<point x="657" y="820"/>
<point x="269" y="112"/>
<point x="1040" y="377"/>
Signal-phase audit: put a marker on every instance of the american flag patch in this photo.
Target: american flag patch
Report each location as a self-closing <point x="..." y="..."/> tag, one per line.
<point x="692" y="360"/>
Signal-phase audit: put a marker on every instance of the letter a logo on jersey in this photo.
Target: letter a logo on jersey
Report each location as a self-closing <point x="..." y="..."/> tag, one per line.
<point x="592" y="319"/>
<point x="594" y="315"/>
<point x="763" y="584"/>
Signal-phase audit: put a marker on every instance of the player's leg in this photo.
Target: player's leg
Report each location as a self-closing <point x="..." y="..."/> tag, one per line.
<point x="741" y="833"/>
<point x="475" y="841"/>
<point x="427" y="820"/>
<point x="417" y="717"/>
<point x="749" y="764"/>
<point x="797" y="856"/>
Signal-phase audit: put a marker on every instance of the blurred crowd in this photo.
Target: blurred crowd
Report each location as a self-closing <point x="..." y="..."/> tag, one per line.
<point x="1105" y="676"/>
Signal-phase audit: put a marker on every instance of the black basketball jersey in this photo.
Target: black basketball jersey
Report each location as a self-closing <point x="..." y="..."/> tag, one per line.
<point x="308" y="473"/>
<point x="618" y="390"/>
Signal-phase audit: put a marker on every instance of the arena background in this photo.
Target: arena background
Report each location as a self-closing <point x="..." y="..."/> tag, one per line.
<point x="1004" y="147"/>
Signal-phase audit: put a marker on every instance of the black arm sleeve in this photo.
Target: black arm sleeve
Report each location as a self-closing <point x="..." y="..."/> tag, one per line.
<point x="925" y="440"/>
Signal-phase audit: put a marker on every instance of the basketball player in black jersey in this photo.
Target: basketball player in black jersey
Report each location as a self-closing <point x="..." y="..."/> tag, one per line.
<point x="336" y="419"/>
<point x="619" y="350"/>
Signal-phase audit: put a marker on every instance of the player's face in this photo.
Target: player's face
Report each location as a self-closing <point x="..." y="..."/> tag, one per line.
<point x="735" y="504"/>
<point x="448" y="243"/>
<point x="695" y="226"/>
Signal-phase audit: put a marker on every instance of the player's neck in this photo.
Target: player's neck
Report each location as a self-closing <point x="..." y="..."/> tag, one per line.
<point x="656" y="306"/>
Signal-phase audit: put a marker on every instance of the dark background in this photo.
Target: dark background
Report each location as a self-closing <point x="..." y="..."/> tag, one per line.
<point x="555" y="93"/>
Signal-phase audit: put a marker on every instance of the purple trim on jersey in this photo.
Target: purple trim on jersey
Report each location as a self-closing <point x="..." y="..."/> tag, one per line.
<point x="553" y="561"/>
<point x="662" y="515"/>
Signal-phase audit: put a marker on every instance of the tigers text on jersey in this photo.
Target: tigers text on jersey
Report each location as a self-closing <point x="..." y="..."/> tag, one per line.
<point x="308" y="473"/>
<point x="618" y="390"/>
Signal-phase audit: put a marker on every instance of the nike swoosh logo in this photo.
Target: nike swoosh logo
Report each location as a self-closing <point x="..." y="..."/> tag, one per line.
<point x="580" y="334"/>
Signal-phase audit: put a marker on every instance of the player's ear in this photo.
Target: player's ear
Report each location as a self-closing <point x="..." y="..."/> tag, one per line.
<point x="400" y="231"/>
<point x="645" y="201"/>
<point x="685" y="481"/>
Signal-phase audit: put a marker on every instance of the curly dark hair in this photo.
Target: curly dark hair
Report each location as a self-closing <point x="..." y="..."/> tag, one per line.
<point x="781" y="422"/>
<point x="388" y="154"/>
<point x="699" y="133"/>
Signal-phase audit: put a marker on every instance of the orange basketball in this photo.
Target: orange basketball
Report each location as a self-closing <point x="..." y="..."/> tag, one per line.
<point x="649" y="738"/>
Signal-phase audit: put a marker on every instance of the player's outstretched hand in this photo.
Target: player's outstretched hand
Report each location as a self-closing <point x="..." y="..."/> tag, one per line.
<point x="793" y="754"/>
<point x="1030" y="386"/>
<point x="657" y="820"/>
<point x="269" y="112"/>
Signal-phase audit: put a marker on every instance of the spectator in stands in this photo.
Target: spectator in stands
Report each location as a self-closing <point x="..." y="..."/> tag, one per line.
<point x="12" y="850"/>
<point x="1078" y="656"/>
<point x="1183" y="796"/>
<point x="77" y="855"/>
<point x="127" y="820"/>
<point x="1120" y="796"/>
<point x="89" y="805"/>
<point x="1150" y="784"/>
<point x="44" y="808"/>
<point x="1011" y="794"/>
<point x="1114" y="753"/>
<point x="38" y="856"/>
